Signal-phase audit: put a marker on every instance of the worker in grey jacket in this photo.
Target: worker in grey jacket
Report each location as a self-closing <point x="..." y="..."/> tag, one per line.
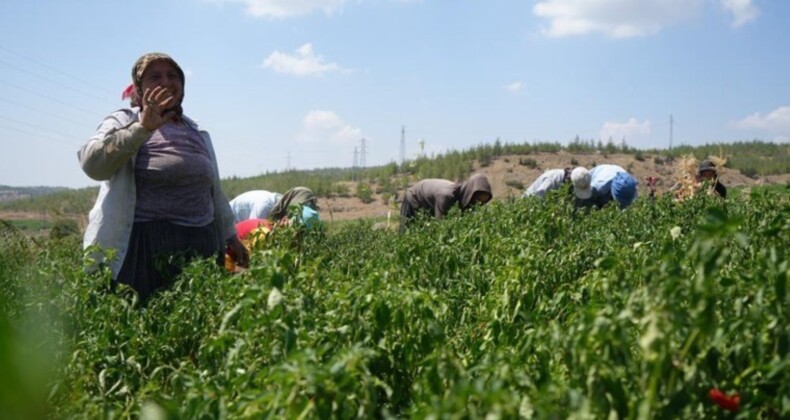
<point x="436" y="197"/>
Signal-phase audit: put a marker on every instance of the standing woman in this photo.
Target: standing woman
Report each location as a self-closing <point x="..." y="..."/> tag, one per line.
<point x="160" y="203"/>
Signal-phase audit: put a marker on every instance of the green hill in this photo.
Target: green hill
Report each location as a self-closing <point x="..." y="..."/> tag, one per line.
<point x="752" y="158"/>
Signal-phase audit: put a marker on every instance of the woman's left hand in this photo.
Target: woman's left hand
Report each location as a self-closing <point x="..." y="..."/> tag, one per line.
<point x="239" y="252"/>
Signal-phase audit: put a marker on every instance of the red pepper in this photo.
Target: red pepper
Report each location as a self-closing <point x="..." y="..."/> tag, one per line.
<point x="727" y="402"/>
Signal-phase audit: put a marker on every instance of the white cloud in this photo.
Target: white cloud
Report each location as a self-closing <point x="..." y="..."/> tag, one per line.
<point x="776" y="123"/>
<point x="279" y="9"/>
<point x="282" y="9"/>
<point x="635" y="133"/>
<point x="743" y="11"/>
<point x="303" y="62"/>
<point x="515" y="87"/>
<point x="615" y="18"/>
<point x="322" y="127"/>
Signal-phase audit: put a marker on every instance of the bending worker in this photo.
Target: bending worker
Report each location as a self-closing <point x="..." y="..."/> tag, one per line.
<point x="436" y="197"/>
<point x="553" y="179"/>
<point x="256" y="204"/>
<point x="606" y="183"/>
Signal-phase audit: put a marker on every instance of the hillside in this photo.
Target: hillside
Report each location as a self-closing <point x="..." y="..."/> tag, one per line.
<point x="509" y="177"/>
<point x="510" y="168"/>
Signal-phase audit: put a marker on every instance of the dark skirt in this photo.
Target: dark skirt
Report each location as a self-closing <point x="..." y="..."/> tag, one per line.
<point x="158" y="251"/>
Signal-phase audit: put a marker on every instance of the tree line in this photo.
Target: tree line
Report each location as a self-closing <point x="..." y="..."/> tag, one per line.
<point x="753" y="158"/>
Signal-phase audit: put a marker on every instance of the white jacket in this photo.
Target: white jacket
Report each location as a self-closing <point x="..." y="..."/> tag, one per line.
<point x="550" y="180"/>
<point x="255" y="204"/>
<point x="109" y="157"/>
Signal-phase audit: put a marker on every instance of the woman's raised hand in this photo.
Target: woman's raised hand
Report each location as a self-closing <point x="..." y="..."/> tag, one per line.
<point x="156" y="103"/>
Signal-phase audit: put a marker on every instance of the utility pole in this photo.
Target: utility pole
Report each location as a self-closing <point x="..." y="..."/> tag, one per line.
<point x="288" y="161"/>
<point x="362" y="152"/>
<point x="671" y="123"/>
<point x="354" y="165"/>
<point x="402" y="144"/>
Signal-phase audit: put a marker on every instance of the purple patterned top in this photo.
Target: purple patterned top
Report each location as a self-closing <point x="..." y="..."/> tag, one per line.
<point x="173" y="176"/>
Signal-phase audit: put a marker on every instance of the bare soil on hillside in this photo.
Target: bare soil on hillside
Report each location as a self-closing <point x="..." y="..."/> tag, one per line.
<point x="506" y="171"/>
<point x="505" y="174"/>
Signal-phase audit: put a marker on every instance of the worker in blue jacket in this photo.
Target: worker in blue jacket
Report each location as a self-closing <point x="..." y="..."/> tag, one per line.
<point x="607" y="183"/>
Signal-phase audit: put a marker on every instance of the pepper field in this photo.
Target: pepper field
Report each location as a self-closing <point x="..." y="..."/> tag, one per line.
<point x="520" y="309"/>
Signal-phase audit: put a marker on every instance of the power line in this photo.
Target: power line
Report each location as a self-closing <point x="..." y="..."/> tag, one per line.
<point x="53" y="81"/>
<point x="51" y="99"/>
<point x="47" y="72"/>
<point x="37" y="73"/>
<point x="40" y="111"/>
<point x="38" y="135"/>
<point x="54" y="69"/>
<point x="362" y="152"/>
<point x="39" y="127"/>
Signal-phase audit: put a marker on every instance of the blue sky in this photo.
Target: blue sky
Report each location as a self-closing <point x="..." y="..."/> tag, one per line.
<point x="301" y="82"/>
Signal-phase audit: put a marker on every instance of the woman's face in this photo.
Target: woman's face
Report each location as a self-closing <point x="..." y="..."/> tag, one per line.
<point x="481" y="197"/>
<point x="162" y="73"/>
<point x="707" y="175"/>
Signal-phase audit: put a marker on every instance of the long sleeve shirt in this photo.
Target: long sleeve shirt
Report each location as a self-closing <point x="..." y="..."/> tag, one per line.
<point x="437" y="196"/>
<point x="256" y="204"/>
<point x="550" y="180"/>
<point x="601" y="178"/>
